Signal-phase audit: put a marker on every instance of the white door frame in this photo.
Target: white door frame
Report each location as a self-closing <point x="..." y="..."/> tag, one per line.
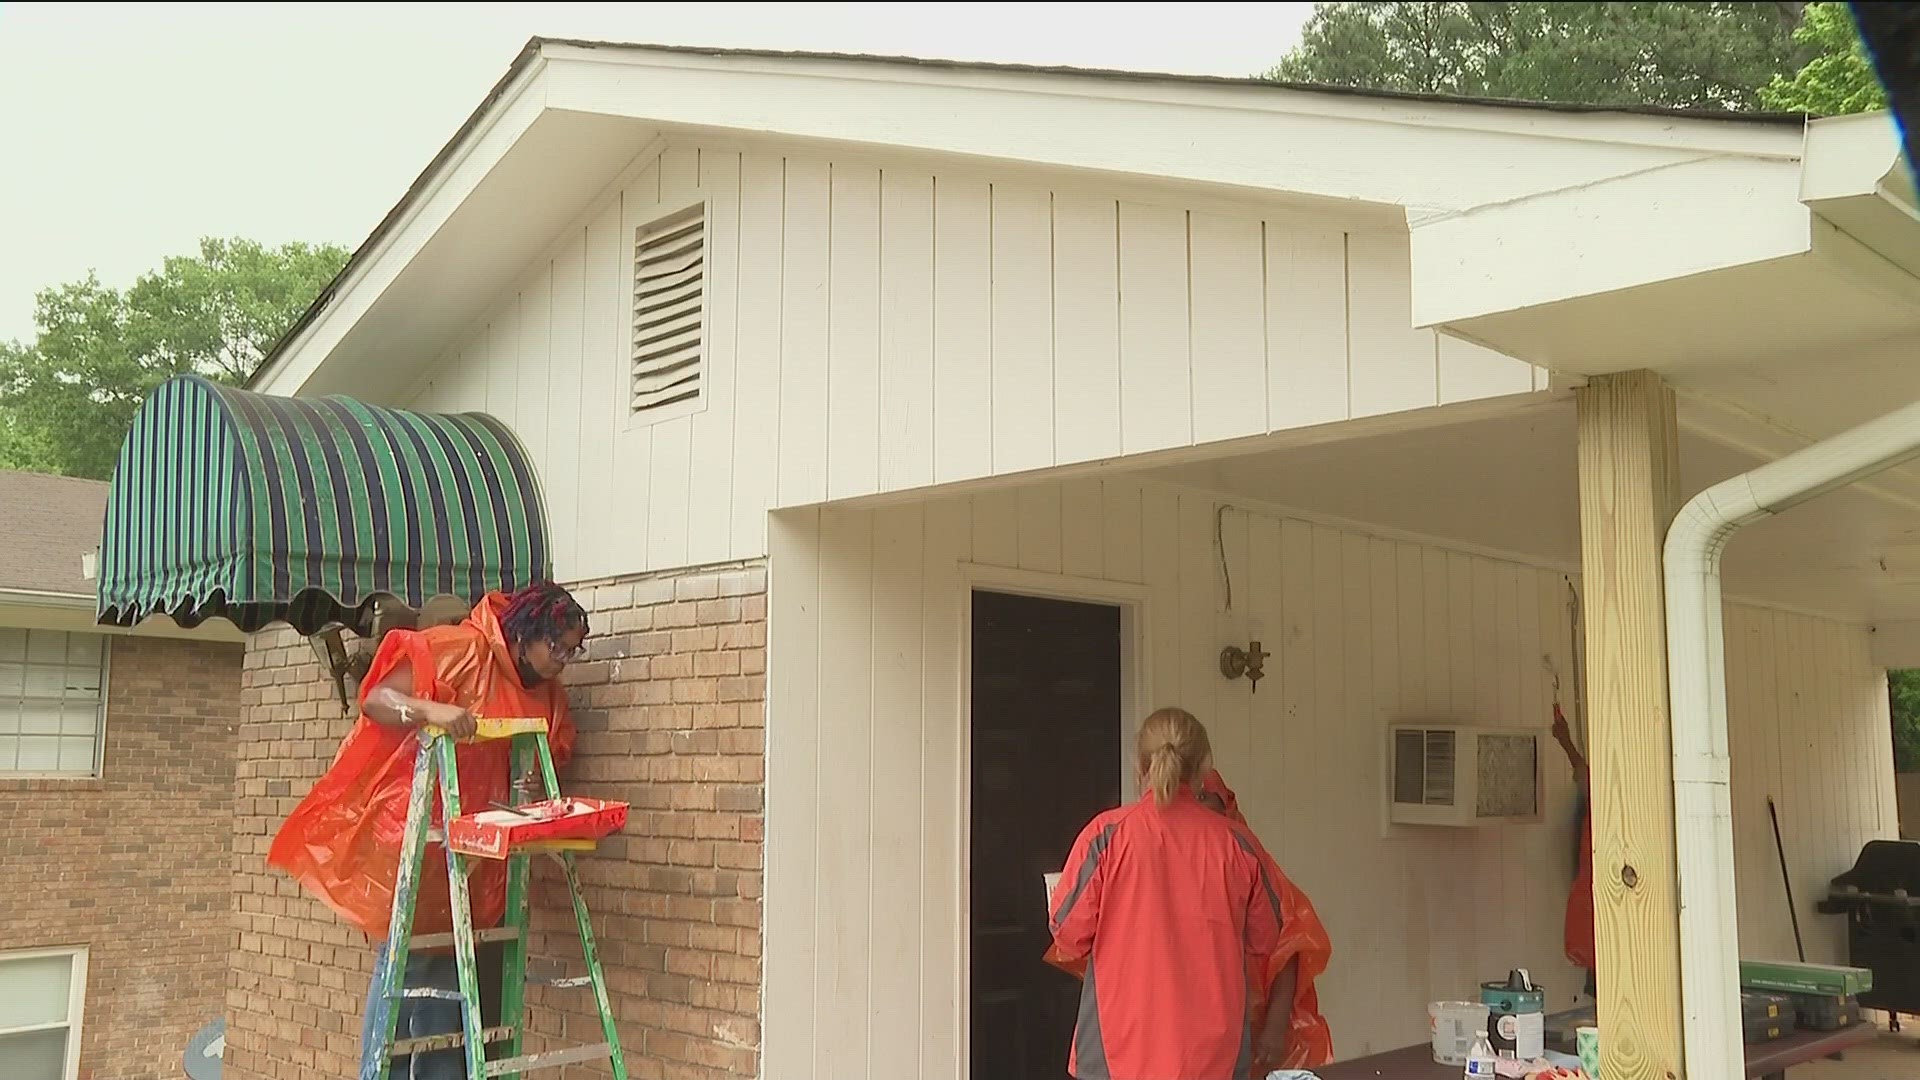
<point x="1136" y="669"/>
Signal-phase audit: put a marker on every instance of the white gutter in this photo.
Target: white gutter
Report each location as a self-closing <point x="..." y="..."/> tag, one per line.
<point x="1697" y="684"/>
<point x="46" y="598"/>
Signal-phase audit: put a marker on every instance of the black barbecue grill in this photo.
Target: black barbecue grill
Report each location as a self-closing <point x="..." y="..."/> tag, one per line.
<point x="1880" y="897"/>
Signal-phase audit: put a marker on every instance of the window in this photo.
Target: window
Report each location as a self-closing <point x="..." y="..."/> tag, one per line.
<point x="41" y="996"/>
<point x="50" y="701"/>
<point x="669" y="296"/>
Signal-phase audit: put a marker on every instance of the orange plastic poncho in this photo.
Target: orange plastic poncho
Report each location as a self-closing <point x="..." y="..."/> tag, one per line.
<point x="1302" y="937"/>
<point x="342" y="843"/>
<point x="1579" y="921"/>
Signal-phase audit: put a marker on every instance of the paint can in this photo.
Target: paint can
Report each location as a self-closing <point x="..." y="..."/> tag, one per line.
<point x="1517" y="1022"/>
<point x="1453" y="1025"/>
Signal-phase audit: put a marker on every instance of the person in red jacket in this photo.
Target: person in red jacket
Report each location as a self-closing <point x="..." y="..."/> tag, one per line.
<point x="1578" y="931"/>
<point x="1171" y="905"/>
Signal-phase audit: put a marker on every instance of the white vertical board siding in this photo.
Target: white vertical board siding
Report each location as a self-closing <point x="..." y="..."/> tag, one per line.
<point x="806" y="258"/>
<point x="1156" y="373"/>
<point x="874" y="328"/>
<point x="757" y="328"/>
<point x="1347" y="619"/>
<point x="906" y="329"/>
<point x="793" y="678"/>
<point x="1306" y="334"/>
<point x="1022" y="348"/>
<point x="1808" y="726"/>
<point x="1365" y="632"/>
<point x="566" y="349"/>
<point x="962" y="328"/>
<point x="853" y="334"/>
<point x="710" y="468"/>
<point x="1086" y="327"/>
<point x="1228" y="326"/>
<point x="605" y="327"/>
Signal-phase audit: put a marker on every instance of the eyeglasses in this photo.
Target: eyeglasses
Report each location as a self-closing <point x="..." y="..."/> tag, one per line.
<point x="563" y="655"/>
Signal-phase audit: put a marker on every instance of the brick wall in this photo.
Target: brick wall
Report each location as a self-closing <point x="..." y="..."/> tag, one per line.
<point x="135" y="865"/>
<point x="670" y="703"/>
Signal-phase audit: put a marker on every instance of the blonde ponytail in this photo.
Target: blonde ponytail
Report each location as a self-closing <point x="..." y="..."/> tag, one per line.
<point x="1173" y="750"/>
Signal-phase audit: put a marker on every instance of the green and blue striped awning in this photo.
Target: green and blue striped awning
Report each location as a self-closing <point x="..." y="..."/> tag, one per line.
<point x="261" y="509"/>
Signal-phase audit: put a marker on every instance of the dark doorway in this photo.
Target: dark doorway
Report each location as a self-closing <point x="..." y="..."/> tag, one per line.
<point x="1046" y="759"/>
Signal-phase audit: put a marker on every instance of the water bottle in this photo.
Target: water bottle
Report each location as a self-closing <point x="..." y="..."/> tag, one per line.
<point x="1480" y="1058"/>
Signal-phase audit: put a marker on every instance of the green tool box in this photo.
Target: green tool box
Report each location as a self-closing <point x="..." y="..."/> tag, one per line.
<point x="1787" y="977"/>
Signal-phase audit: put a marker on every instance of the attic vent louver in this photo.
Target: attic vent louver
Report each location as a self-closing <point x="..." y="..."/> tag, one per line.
<point x="669" y="293"/>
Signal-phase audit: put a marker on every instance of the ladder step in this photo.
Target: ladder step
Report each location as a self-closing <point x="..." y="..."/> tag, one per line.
<point x="441" y="941"/>
<point x="563" y="982"/>
<point x="450" y="1041"/>
<point x="550" y="1059"/>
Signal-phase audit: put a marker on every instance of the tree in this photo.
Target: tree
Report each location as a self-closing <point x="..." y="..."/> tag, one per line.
<point x="1704" y="55"/>
<point x="68" y="398"/>
<point x="1839" y="79"/>
<point x="1903" y="689"/>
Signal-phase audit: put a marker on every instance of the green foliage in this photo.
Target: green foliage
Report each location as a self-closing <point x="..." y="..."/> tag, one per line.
<point x="1705" y="55"/>
<point x="1839" y="79"/>
<point x="67" y="398"/>
<point x="1903" y="691"/>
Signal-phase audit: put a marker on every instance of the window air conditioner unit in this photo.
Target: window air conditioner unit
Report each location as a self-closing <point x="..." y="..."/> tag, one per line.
<point x="1455" y="775"/>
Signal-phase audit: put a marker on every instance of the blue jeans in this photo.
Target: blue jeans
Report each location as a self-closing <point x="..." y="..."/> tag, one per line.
<point x="418" y="1016"/>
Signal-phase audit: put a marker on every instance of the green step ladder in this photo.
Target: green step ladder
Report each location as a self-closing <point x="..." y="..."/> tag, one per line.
<point x="434" y="766"/>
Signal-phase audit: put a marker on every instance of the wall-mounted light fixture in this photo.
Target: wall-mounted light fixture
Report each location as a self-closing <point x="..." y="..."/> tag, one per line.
<point x="1250" y="661"/>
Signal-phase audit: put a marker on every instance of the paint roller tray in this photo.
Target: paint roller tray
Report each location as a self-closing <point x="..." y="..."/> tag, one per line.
<point x="493" y="834"/>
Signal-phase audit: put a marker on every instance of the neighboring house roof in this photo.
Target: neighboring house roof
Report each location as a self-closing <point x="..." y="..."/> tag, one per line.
<point x="47" y="525"/>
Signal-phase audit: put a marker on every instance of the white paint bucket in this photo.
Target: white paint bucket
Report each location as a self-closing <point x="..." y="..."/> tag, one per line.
<point x="1454" y="1025"/>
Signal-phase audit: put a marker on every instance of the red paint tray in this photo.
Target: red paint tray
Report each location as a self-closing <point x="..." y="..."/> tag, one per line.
<point x="564" y="823"/>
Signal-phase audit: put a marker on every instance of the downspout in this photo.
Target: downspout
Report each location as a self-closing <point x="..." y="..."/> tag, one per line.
<point x="1697" y="687"/>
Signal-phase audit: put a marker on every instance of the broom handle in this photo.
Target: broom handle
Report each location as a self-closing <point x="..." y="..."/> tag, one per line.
<point x="1786" y="879"/>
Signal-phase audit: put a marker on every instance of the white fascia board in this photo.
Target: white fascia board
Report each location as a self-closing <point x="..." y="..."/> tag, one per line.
<point x="1672" y="221"/>
<point x="1411" y="154"/>
<point x="1848" y="156"/>
<point x="1856" y="179"/>
<point x="1710" y="213"/>
<point x="519" y="106"/>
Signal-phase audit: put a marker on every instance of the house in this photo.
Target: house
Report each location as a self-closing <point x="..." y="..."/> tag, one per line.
<point x="117" y="751"/>
<point x="912" y="428"/>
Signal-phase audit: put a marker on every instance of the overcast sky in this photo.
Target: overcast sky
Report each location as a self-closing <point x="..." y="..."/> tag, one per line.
<point x="129" y="131"/>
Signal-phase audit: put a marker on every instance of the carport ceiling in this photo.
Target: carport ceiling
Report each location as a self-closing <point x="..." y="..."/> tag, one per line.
<point x="1509" y="484"/>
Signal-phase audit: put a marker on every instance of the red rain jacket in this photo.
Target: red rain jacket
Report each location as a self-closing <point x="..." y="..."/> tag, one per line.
<point x="342" y="843"/>
<point x="1174" y="909"/>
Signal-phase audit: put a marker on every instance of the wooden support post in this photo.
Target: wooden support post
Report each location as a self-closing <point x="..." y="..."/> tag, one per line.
<point x="1629" y="493"/>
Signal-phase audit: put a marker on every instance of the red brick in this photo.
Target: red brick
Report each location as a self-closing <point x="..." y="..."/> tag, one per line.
<point x="671" y="709"/>
<point x="144" y="857"/>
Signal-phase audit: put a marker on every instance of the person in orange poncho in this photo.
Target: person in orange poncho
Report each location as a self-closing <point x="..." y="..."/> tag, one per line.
<point x="1300" y="957"/>
<point x="342" y="843"/>
<point x="1285" y="972"/>
<point x="1578" y="931"/>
